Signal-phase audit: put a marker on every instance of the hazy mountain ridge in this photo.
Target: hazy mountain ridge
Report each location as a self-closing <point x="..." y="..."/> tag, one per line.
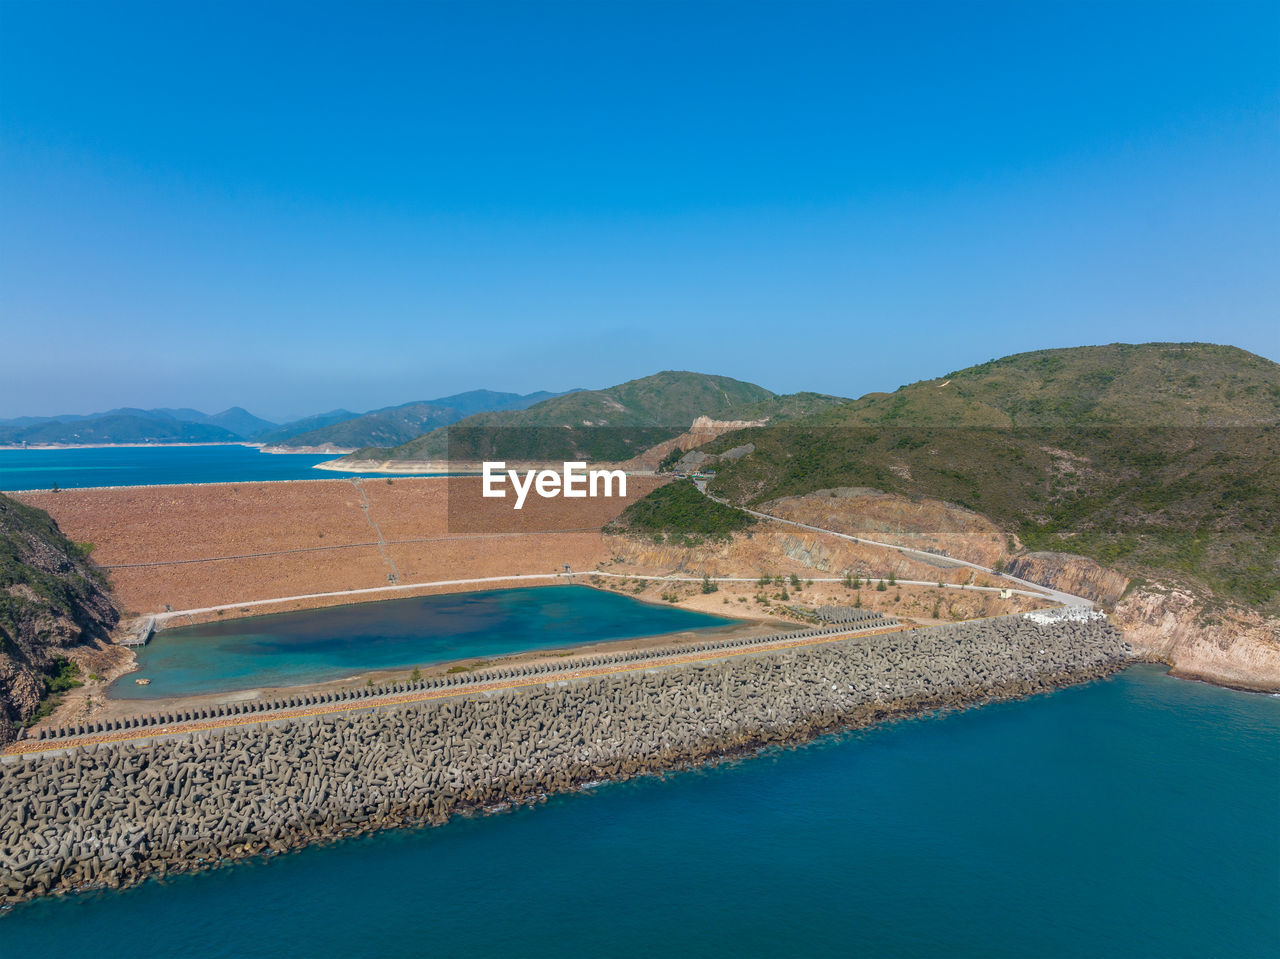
<point x="394" y="425"/>
<point x="611" y="424"/>
<point x="343" y="428"/>
<point x="305" y="425"/>
<point x="129" y="425"/>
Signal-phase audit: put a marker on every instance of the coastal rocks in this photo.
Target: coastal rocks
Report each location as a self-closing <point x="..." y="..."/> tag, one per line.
<point x="1232" y="646"/>
<point x="115" y="813"/>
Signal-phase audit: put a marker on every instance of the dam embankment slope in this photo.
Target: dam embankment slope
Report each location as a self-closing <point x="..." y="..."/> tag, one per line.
<point x="114" y="814"/>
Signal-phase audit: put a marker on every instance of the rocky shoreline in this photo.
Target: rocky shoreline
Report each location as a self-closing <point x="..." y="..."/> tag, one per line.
<point x="116" y="813"/>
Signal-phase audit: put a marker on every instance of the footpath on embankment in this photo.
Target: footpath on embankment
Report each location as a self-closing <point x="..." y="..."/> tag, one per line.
<point x="113" y="813"/>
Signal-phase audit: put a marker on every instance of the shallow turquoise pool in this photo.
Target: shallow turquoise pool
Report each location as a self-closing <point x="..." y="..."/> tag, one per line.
<point x="325" y="644"/>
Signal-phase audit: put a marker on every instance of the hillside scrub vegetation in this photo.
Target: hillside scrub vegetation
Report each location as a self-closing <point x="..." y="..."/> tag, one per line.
<point x="678" y="511"/>
<point x="52" y="597"/>
<point x="1162" y="459"/>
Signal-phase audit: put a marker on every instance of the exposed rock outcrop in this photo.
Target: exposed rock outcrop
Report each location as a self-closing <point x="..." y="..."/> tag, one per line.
<point x="703" y="430"/>
<point x="52" y="599"/>
<point x="1072" y="574"/>
<point x="696" y="460"/>
<point x="1234" y="646"/>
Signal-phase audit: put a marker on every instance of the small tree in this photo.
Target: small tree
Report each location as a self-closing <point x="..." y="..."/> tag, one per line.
<point x="707" y="585"/>
<point x="416" y="675"/>
<point x="795" y="581"/>
<point x="881" y="587"/>
<point x="670" y="460"/>
<point x="892" y="578"/>
<point x="848" y="580"/>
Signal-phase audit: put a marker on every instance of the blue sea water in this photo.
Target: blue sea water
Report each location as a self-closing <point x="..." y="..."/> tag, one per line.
<point x="322" y="644"/>
<point x="155" y="466"/>
<point x="1137" y="816"/>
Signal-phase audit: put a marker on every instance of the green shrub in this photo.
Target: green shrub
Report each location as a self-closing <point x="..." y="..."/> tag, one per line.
<point x="63" y="676"/>
<point x="679" y="510"/>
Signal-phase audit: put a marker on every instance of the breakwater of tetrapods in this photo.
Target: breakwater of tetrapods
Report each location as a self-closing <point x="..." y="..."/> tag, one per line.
<point x="113" y="813"/>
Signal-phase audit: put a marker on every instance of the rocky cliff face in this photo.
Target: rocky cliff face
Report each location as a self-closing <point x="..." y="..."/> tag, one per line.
<point x="1232" y="646"/>
<point x="1071" y="574"/>
<point x="703" y="430"/>
<point x="52" y="599"/>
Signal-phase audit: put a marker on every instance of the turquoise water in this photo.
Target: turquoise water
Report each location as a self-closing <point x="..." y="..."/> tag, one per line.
<point x="1139" y="816"/>
<point x="155" y="466"/>
<point x="322" y="644"/>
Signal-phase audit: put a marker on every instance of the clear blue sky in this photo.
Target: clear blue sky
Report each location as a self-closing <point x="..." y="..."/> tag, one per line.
<point x="299" y="207"/>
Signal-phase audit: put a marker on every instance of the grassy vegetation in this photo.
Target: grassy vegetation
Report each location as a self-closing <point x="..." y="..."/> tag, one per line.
<point x="63" y="675"/>
<point x="680" y="514"/>
<point x="1161" y="459"/>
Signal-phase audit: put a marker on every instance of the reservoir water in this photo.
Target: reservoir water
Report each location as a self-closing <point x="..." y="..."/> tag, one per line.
<point x="323" y="644"/>
<point x="156" y="466"/>
<point x="1138" y="816"/>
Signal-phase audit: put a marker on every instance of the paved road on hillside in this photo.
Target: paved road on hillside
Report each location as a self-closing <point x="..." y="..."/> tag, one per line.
<point x="1038" y="592"/>
<point x="1066" y="599"/>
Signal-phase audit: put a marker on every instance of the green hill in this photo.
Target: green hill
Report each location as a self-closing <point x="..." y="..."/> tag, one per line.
<point x="679" y="512"/>
<point x="122" y="427"/>
<point x="397" y="424"/>
<point x="613" y="424"/>
<point x="130" y="425"/>
<point x="1161" y="458"/>
<point x="308" y="424"/>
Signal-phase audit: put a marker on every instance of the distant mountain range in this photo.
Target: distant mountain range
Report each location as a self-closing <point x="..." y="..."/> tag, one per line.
<point x="394" y="425"/>
<point x="134" y="426"/>
<point x="612" y="424"/>
<point x="338" y="428"/>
